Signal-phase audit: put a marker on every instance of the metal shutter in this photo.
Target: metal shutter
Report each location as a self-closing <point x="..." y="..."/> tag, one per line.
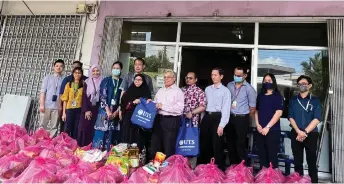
<point x="29" y="46"/>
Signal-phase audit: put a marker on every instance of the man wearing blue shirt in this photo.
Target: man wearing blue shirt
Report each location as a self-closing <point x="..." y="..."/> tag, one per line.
<point x="216" y="118"/>
<point x="304" y="116"/>
<point x="243" y="106"/>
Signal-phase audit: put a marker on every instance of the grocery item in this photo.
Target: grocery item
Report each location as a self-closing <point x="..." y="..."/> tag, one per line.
<point x="134" y="161"/>
<point x="93" y="155"/>
<point x="150" y="168"/>
<point x="134" y="152"/>
<point x="114" y="160"/>
<point x="124" y="167"/>
<point x="159" y="159"/>
<point x="119" y="149"/>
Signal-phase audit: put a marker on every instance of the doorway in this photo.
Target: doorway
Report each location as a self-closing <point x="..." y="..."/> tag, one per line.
<point x="202" y="60"/>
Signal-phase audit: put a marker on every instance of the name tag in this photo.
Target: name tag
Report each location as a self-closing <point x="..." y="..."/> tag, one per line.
<point x="73" y="103"/>
<point x="113" y="102"/>
<point x="234" y="104"/>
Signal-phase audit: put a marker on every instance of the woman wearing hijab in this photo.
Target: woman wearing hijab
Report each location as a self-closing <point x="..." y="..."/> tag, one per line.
<point x="90" y="105"/>
<point x="106" y="126"/>
<point x="139" y="89"/>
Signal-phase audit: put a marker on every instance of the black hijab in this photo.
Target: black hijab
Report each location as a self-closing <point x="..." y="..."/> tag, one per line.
<point x="134" y="92"/>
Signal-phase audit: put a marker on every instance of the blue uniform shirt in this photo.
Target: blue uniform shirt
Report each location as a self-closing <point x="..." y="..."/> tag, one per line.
<point x="245" y="96"/>
<point x="303" y="114"/>
<point x="267" y="105"/>
<point x="66" y="80"/>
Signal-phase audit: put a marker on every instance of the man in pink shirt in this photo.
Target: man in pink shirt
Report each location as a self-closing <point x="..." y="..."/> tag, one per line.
<point x="170" y="104"/>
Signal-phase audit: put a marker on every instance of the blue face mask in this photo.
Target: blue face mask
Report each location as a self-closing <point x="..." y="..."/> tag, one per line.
<point x="237" y="79"/>
<point x="116" y="72"/>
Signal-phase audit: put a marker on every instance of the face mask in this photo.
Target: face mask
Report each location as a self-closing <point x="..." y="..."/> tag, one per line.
<point x="303" y="88"/>
<point x="116" y="72"/>
<point x="268" y="85"/>
<point x="237" y="79"/>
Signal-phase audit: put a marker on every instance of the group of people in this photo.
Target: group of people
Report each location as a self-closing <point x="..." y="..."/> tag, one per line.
<point x="98" y="110"/>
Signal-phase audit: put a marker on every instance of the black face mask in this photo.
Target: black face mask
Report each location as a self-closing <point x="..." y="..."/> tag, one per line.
<point x="268" y="85"/>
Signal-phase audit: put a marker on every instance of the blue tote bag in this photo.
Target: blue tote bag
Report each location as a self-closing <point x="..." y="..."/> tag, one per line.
<point x="188" y="139"/>
<point x="144" y="114"/>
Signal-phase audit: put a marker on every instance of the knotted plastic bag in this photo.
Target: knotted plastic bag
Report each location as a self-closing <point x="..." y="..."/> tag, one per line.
<point x="107" y="174"/>
<point x="210" y="170"/>
<point x="176" y="173"/>
<point x="296" y="178"/>
<point x="239" y="174"/>
<point x="269" y="175"/>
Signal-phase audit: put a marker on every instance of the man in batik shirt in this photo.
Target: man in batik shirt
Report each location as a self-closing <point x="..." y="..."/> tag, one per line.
<point x="194" y="103"/>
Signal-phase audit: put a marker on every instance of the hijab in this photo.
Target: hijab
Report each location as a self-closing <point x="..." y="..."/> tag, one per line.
<point x="135" y="92"/>
<point x="93" y="85"/>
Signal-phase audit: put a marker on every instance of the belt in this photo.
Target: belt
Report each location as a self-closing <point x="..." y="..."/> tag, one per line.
<point x="213" y="113"/>
<point x="168" y="116"/>
<point x="239" y="115"/>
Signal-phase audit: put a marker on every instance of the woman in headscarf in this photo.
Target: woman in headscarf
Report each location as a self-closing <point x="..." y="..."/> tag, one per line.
<point x="106" y="126"/>
<point x="90" y="105"/>
<point x="139" y="89"/>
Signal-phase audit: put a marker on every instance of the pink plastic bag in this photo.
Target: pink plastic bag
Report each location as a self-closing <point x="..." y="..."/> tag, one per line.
<point x="107" y="174"/>
<point x="239" y="174"/>
<point x="64" y="142"/>
<point x="296" y="178"/>
<point x="66" y="159"/>
<point x="74" y="170"/>
<point x="41" y="134"/>
<point x="139" y="176"/>
<point x="210" y="170"/>
<point x="32" y="151"/>
<point x="269" y="175"/>
<point x="177" y="159"/>
<point x="176" y="173"/>
<point x="10" y="132"/>
<point x="13" y="166"/>
<point x="40" y="170"/>
<point x="48" y="153"/>
<point x="80" y="179"/>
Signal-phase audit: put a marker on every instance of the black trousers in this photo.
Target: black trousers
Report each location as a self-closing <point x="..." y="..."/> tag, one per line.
<point x="72" y="122"/>
<point x="211" y="144"/>
<point x="164" y="136"/>
<point x="268" y="148"/>
<point x="310" y="145"/>
<point x="236" y="137"/>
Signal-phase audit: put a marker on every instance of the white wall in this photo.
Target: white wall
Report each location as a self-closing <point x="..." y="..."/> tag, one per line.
<point x="49" y="7"/>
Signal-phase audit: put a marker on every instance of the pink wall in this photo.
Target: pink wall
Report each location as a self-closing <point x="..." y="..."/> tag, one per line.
<point x="151" y="9"/>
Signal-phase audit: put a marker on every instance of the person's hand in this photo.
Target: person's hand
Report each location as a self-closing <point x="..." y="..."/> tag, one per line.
<point x="41" y="108"/>
<point x="189" y="115"/>
<point x="109" y="114"/>
<point x="219" y="131"/>
<point x="64" y="117"/>
<point x="88" y="115"/>
<point x="302" y="134"/>
<point x="259" y="128"/>
<point x="159" y="105"/>
<point x="120" y="115"/>
<point x="265" y="131"/>
<point x="149" y="100"/>
<point x="299" y="138"/>
<point x="115" y="114"/>
<point x="137" y="101"/>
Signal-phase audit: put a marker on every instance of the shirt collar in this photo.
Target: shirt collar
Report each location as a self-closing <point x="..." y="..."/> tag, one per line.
<point x="171" y="87"/>
<point x="213" y="86"/>
<point x="244" y="83"/>
<point x="56" y="75"/>
<point x="307" y="97"/>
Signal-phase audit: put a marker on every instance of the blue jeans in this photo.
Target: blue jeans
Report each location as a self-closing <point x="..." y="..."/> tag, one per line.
<point x="72" y="122"/>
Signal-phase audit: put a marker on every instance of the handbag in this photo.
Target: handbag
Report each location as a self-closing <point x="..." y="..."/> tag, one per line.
<point x="187" y="143"/>
<point x="144" y="114"/>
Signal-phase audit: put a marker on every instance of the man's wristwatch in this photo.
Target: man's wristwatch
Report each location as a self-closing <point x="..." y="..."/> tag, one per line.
<point x="268" y="126"/>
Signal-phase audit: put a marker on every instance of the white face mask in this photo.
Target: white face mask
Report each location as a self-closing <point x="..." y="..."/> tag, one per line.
<point x="116" y="72"/>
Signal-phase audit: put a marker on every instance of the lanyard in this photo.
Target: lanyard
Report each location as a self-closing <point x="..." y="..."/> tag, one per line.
<point x="76" y="88"/>
<point x="236" y="93"/>
<point x="306" y="108"/>
<point x="116" y="87"/>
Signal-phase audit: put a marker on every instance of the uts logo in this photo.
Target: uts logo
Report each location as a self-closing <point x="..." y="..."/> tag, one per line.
<point x="186" y="142"/>
<point x="141" y="112"/>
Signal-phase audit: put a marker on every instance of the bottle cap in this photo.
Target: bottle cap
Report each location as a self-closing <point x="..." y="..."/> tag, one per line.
<point x="134" y="145"/>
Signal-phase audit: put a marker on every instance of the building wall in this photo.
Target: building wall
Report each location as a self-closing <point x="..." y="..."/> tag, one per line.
<point x="57" y="8"/>
<point x="208" y="10"/>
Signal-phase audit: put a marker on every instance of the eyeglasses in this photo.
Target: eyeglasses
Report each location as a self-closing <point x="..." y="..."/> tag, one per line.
<point x="168" y="77"/>
<point x="303" y="84"/>
<point x="189" y="78"/>
<point x="138" y="80"/>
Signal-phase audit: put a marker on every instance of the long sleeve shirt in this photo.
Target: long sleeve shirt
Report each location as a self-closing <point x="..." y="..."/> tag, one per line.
<point x="172" y="100"/>
<point x="219" y="100"/>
